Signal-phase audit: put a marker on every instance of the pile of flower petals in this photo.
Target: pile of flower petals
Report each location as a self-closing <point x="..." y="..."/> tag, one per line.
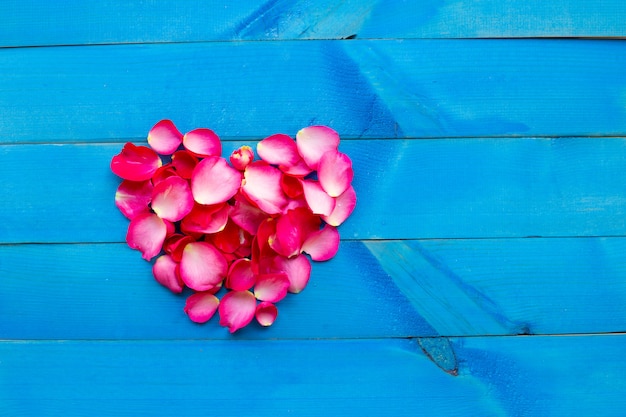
<point x="238" y="230"/>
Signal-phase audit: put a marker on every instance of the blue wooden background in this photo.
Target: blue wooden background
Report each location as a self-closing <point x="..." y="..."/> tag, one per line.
<point x="483" y="272"/>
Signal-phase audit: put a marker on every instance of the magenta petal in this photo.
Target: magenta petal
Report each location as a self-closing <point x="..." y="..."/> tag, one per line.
<point x="261" y="185"/>
<point x="315" y="141"/>
<point x="184" y="162"/>
<point x="202" y="266"/>
<point x="135" y="163"/>
<point x="166" y="274"/>
<point x="344" y="206"/>
<point x="133" y="197"/>
<point x="298" y="270"/>
<point x="214" y="181"/>
<point x="201" y="306"/>
<point x="246" y="216"/>
<point x="278" y="150"/>
<point x="317" y="199"/>
<point x="266" y="313"/>
<point x="164" y="137"/>
<point x="335" y="173"/>
<point x="292" y="229"/>
<point x="323" y="244"/>
<point x="206" y="219"/>
<point x="202" y="142"/>
<point x="172" y="199"/>
<point x="242" y="157"/>
<point x="175" y="244"/>
<point x="237" y="310"/>
<point x="271" y="287"/>
<point x="240" y="276"/>
<point x="300" y="169"/>
<point x="146" y="233"/>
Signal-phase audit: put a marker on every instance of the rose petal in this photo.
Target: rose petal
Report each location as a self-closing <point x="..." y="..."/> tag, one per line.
<point x="292" y="229"/>
<point x="230" y="238"/>
<point x="146" y="233"/>
<point x="261" y="185"/>
<point x="184" y="162"/>
<point x="323" y="244"/>
<point x="202" y="142"/>
<point x="246" y="216"/>
<point x="278" y="150"/>
<point x="298" y="270"/>
<point x="242" y="157"/>
<point x="135" y="163"/>
<point x="164" y="137"/>
<point x="266" y="313"/>
<point x="240" y="276"/>
<point x="205" y="219"/>
<point x="335" y="173"/>
<point x="201" y="306"/>
<point x="300" y="169"/>
<point x="291" y="186"/>
<point x="213" y="181"/>
<point x="172" y="199"/>
<point x="202" y="266"/>
<point x="175" y="244"/>
<point x="166" y="274"/>
<point x="344" y="206"/>
<point x="163" y="173"/>
<point x="314" y="141"/>
<point x="132" y="197"/>
<point x="237" y="310"/>
<point x="317" y="199"/>
<point x="271" y="287"/>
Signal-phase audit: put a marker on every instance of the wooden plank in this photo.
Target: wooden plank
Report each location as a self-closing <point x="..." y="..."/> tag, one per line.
<point x="573" y="376"/>
<point x="31" y="23"/>
<point x="374" y="89"/>
<point x="461" y="188"/>
<point x="396" y="289"/>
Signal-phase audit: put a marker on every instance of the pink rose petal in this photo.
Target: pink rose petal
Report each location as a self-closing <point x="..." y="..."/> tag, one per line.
<point x="261" y="185"/>
<point x="214" y="181"/>
<point x="202" y="266"/>
<point x="230" y="238"/>
<point x="164" y="137"/>
<point x="278" y="150"/>
<point x="172" y="199"/>
<point x="135" y="163"/>
<point x="317" y="199"/>
<point x="271" y="287"/>
<point x="237" y="310"/>
<point x="314" y="141"/>
<point x="291" y="186"/>
<point x="298" y="270"/>
<point x="245" y="215"/>
<point x="202" y="142"/>
<point x="132" y="197"/>
<point x="165" y="271"/>
<point x="344" y="206"/>
<point x="175" y="244"/>
<point x="242" y="157"/>
<point x="184" y="162"/>
<point x="205" y="219"/>
<point x="201" y="306"/>
<point x="266" y="313"/>
<point x="146" y="233"/>
<point x="335" y="173"/>
<point x="163" y="173"/>
<point x="300" y="169"/>
<point x="240" y="276"/>
<point x="292" y="229"/>
<point x="323" y="244"/>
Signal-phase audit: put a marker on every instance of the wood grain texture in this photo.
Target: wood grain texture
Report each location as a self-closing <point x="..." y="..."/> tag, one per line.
<point x="509" y="376"/>
<point x="395" y="289"/>
<point x="370" y="89"/>
<point x="33" y="23"/>
<point x="461" y="188"/>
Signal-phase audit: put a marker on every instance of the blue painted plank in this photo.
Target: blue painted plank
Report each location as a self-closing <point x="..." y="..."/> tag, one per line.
<point x="396" y="289"/>
<point x="461" y="188"/>
<point x="564" y="376"/>
<point x="374" y="89"/>
<point x="30" y="23"/>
